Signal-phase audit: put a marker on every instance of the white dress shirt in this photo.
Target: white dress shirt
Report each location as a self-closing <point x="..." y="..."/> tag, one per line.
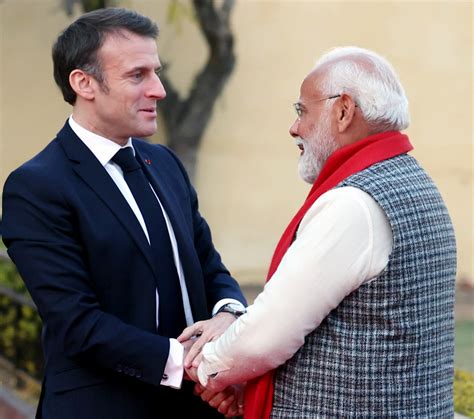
<point x="104" y="149"/>
<point x="343" y="241"/>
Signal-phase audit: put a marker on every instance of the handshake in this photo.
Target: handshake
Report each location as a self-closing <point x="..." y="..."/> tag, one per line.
<point x="228" y="400"/>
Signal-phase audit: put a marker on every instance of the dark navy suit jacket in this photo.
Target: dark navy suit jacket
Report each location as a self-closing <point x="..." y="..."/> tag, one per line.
<point x="86" y="262"/>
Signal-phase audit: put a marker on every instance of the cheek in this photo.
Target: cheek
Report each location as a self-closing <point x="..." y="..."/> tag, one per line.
<point x="307" y="129"/>
<point x="128" y="106"/>
<point x="125" y="100"/>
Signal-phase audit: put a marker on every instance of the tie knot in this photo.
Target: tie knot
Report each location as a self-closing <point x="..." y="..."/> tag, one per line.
<point x="126" y="160"/>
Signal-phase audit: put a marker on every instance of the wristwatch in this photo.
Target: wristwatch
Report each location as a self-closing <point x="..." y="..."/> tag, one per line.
<point x="236" y="309"/>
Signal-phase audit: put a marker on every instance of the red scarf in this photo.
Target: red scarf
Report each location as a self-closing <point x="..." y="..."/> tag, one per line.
<point x="343" y="163"/>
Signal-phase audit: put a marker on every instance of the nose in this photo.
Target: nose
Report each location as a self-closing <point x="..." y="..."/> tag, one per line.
<point x="294" y="128"/>
<point x="156" y="90"/>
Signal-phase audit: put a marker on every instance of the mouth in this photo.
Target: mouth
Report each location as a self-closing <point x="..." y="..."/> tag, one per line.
<point x="300" y="145"/>
<point x="151" y="111"/>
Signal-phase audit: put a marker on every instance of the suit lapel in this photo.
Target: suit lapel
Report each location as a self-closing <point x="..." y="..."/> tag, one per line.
<point x="167" y="197"/>
<point x="89" y="169"/>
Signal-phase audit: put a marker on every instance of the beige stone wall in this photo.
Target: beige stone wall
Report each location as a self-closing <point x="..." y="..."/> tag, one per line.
<point x="247" y="179"/>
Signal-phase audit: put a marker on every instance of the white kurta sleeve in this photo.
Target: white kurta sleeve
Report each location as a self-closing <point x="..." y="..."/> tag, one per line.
<point x="343" y="241"/>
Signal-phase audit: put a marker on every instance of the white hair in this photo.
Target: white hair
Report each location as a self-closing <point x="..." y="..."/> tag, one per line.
<point x="371" y="81"/>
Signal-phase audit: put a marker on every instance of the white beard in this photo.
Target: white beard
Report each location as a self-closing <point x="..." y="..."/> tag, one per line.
<point x="319" y="145"/>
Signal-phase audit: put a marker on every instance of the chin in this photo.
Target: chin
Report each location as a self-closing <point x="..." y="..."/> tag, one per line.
<point x="145" y="132"/>
<point x="307" y="171"/>
<point x="308" y="179"/>
<point x="307" y="176"/>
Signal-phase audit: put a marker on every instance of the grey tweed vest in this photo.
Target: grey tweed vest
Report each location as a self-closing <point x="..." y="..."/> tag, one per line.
<point x="387" y="349"/>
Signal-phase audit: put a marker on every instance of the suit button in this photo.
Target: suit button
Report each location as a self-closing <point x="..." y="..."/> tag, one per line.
<point x="132" y="372"/>
<point x="126" y="370"/>
<point x="119" y="368"/>
<point x="138" y="374"/>
<point x="165" y="377"/>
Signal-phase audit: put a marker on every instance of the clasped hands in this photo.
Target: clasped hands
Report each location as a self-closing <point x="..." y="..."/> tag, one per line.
<point x="228" y="401"/>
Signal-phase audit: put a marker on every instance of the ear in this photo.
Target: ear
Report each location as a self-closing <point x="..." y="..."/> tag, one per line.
<point x="82" y="83"/>
<point x="346" y="108"/>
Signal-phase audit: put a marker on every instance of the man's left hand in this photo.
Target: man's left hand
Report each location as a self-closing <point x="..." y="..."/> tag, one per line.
<point x="203" y="332"/>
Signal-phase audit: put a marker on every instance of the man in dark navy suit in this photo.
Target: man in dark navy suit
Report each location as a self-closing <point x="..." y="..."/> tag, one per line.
<point x="106" y="233"/>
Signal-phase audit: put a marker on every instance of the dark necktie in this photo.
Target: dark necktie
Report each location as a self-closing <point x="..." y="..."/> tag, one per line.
<point x="171" y="312"/>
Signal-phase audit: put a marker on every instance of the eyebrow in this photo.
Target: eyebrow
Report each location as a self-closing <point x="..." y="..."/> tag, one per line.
<point x="143" y="68"/>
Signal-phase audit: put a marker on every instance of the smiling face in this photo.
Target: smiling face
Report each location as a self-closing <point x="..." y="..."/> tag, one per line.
<point x="313" y="129"/>
<point x="124" y="105"/>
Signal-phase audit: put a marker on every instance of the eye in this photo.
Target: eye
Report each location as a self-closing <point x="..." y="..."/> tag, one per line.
<point x="298" y="109"/>
<point x="158" y="71"/>
<point x="137" y="76"/>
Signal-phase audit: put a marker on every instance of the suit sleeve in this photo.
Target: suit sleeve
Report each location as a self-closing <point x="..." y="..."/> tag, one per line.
<point x="39" y="231"/>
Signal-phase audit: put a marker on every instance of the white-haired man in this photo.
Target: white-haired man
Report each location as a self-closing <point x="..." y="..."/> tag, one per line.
<point x="357" y="319"/>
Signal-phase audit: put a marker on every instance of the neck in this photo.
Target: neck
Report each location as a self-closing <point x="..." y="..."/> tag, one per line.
<point x="356" y="133"/>
<point x="87" y="123"/>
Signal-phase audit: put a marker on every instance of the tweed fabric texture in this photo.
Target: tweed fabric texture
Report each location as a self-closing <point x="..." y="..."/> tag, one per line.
<point x="387" y="349"/>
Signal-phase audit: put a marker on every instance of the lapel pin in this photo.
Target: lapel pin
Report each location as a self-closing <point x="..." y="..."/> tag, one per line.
<point x="148" y="161"/>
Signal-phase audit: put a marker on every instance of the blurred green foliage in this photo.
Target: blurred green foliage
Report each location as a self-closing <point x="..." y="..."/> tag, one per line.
<point x="20" y="326"/>
<point x="10" y="278"/>
<point x="464" y="357"/>
<point x="464" y="393"/>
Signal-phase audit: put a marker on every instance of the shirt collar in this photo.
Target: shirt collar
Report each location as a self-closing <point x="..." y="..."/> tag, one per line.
<point x="102" y="148"/>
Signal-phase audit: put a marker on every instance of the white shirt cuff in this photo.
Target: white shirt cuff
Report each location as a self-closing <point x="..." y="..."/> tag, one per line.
<point x="174" y="370"/>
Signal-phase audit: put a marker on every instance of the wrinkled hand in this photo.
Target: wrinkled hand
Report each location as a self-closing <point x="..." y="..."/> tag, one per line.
<point x="202" y="332"/>
<point x="229" y="402"/>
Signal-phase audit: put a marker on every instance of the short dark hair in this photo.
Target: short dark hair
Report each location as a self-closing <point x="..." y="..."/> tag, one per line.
<point x="77" y="46"/>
